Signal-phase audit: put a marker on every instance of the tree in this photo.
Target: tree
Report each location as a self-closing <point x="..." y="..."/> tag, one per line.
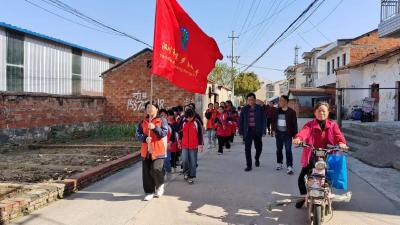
<point x="223" y="75"/>
<point x="246" y="83"/>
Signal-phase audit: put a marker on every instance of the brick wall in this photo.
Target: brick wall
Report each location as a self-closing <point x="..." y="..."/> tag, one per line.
<point x="32" y="117"/>
<point x="370" y="43"/>
<point x="127" y="88"/>
<point x="27" y="110"/>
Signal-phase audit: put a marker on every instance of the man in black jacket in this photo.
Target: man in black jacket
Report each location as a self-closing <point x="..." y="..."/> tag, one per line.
<point x="252" y="126"/>
<point x="284" y="125"/>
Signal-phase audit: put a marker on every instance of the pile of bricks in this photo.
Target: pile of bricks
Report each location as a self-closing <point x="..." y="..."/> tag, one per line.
<point x="33" y="197"/>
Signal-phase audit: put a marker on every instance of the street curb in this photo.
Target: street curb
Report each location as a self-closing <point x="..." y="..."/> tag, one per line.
<point x="42" y="194"/>
<point x="94" y="174"/>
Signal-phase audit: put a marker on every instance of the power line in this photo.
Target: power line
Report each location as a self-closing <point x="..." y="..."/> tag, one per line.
<point x="302" y="22"/>
<point x="236" y="14"/>
<point x="69" y="20"/>
<point x="323" y="20"/>
<point x="320" y="31"/>
<point x="305" y="41"/>
<point x="254" y="14"/>
<point x="260" y="67"/>
<point x="284" y="32"/>
<point x="258" y="33"/>
<point x="247" y="17"/>
<point x="267" y="19"/>
<point x="75" y="12"/>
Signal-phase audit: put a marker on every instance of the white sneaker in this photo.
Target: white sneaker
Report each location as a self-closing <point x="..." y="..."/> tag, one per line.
<point x="148" y="197"/>
<point x="290" y="170"/>
<point x="279" y="167"/>
<point x="160" y="191"/>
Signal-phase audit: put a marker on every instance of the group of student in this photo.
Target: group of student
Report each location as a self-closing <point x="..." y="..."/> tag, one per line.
<point x="222" y="122"/>
<point x="169" y="136"/>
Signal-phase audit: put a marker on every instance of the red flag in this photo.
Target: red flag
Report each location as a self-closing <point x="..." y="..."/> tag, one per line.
<point x="182" y="52"/>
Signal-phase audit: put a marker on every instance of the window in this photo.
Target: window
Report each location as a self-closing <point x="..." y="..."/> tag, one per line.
<point x="76" y="71"/>
<point x="15" y="61"/>
<point x="338" y="62"/>
<point x="333" y="66"/>
<point x="328" y="68"/>
<point x="344" y="59"/>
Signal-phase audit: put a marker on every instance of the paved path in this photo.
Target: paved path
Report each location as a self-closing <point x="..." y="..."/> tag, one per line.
<point x="223" y="194"/>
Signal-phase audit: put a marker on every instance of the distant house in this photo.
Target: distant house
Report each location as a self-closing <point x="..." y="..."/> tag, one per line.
<point x="295" y="76"/>
<point x="379" y="70"/>
<point x="344" y="51"/>
<point x="33" y="62"/>
<point x="262" y="93"/>
<point x="389" y="25"/>
<point x="276" y="89"/>
<point x="312" y="66"/>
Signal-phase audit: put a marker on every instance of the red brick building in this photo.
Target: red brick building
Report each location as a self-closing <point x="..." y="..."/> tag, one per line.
<point x="127" y="89"/>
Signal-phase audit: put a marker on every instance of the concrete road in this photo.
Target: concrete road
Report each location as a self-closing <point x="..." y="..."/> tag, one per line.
<point x="223" y="194"/>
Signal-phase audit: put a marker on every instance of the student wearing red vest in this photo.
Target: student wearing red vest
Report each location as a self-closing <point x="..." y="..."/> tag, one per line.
<point x="153" y="156"/>
<point x="191" y="141"/>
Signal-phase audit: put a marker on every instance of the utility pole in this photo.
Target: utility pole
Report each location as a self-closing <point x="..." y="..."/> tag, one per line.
<point x="234" y="60"/>
<point x="296" y="55"/>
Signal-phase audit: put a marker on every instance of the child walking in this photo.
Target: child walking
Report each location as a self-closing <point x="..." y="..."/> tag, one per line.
<point x="223" y="130"/>
<point x="191" y="142"/>
<point x="152" y="156"/>
<point x="210" y="114"/>
<point x="173" y="141"/>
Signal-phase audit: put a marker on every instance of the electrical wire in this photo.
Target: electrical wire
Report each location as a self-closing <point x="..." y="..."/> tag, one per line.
<point x="285" y="31"/>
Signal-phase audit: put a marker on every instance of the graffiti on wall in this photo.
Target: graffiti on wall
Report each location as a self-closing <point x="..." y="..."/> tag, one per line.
<point x="138" y="100"/>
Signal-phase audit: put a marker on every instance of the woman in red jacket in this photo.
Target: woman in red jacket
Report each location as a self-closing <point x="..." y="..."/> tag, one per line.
<point x="222" y="129"/>
<point x="319" y="133"/>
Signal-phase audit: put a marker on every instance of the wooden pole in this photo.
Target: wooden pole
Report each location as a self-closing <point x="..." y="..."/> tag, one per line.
<point x="149" y="150"/>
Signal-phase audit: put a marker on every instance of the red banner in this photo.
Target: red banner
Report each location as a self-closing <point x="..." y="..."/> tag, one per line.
<point x="182" y="52"/>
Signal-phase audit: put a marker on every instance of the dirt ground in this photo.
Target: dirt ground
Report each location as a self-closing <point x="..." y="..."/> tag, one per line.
<point x="40" y="164"/>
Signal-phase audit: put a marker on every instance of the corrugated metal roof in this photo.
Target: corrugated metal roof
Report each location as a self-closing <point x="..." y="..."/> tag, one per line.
<point x="32" y="33"/>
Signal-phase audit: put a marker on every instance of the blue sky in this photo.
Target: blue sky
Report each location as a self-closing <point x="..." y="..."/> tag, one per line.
<point x="216" y="17"/>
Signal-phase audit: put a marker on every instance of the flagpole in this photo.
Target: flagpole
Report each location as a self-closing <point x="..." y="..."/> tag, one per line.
<point x="151" y="77"/>
<point x="149" y="150"/>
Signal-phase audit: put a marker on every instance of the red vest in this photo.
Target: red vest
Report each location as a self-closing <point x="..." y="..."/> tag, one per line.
<point x="158" y="145"/>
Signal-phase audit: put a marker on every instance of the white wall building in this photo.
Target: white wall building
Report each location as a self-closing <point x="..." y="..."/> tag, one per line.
<point x="313" y="66"/>
<point x="32" y="62"/>
<point x="295" y="76"/>
<point x="262" y="93"/>
<point x="330" y="58"/>
<point x="380" y="69"/>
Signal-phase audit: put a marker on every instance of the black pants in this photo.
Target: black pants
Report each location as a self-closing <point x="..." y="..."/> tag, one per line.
<point x="301" y="182"/>
<point x="269" y="122"/>
<point x="223" y="141"/>
<point x="152" y="175"/>
<point x="174" y="159"/>
<point x="283" y="138"/>
<point x="231" y="138"/>
<point x="251" y="135"/>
